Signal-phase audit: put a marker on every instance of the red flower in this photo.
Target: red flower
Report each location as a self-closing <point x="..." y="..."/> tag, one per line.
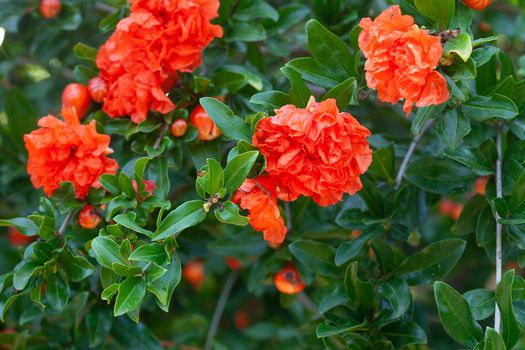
<point x="140" y="60"/>
<point x="193" y="273"/>
<point x="401" y="60"/>
<point x="314" y="151"/>
<point x="67" y="151"/>
<point x="259" y="198"/>
<point x="233" y="263"/>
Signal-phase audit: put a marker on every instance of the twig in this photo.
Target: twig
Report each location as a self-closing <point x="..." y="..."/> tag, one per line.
<point x="410" y="152"/>
<point x="288" y="212"/>
<point x="499" y="194"/>
<point x="225" y="294"/>
<point x="163" y="130"/>
<point x="310" y="305"/>
<point x="66" y="221"/>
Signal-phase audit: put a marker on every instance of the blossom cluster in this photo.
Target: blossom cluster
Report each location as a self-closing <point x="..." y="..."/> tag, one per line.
<point x="315" y="151"/>
<point x="141" y="59"/>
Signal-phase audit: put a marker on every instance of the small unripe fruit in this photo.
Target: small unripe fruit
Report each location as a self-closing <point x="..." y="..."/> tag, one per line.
<point x="16" y="238"/>
<point x="201" y="120"/>
<point x="88" y="217"/>
<point x="233" y="263"/>
<point x="50" y="8"/>
<point x="77" y="96"/>
<point x="288" y="281"/>
<point x="477" y="4"/>
<point x="179" y="127"/>
<point x="193" y="273"/>
<point x="98" y="89"/>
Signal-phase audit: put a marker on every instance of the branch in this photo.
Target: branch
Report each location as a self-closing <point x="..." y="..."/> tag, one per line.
<point x="66" y="221"/>
<point x="410" y="152"/>
<point x="499" y="194"/>
<point x="220" y="308"/>
<point x="288" y="212"/>
<point x="163" y="130"/>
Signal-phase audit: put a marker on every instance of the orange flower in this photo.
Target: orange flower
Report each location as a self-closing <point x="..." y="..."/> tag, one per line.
<point x="258" y="197"/>
<point x="140" y="60"/>
<point x="401" y="60"/>
<point x="314" y="151"/>
<point x="67" y="151"/>
<point x="205" y="125"/>
<point x="450" y="208"/>
<point x="193" y="273"/>
<point x="481" y="185"/>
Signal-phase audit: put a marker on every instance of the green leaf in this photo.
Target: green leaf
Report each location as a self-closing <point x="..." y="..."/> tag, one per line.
<point x="299" y="93"/>
<point x="481" y="108"/>
<point x="329" y="50"/>
<point x="259" y="9"/>
<point x="126" y="270"/>
<point x="77" y="268"/>
<point x="57" y="291"/>
<point x="314" y="73"/>
<point x="153" y="252"/>
<point x="453" y="127"/>
<point x="128" y="220"/>
<point x="482" y="303"/>
<point x="493" y="340"/>
<point x="21" y="118"/>
<point x="440" y="11"/>
<point x="238" y="169"/>
<point x="85" y="52"/>
<point x="110" y="183"/>
<point x="230" y="215"/>
<point x="455" y="316"/>
<point x="324" y="330"/>
<point x="316" y="256"/>
<point x="98" y="324"/>
<point x="344" y="93"/>
<point x="270" y="99"/>
<point x="109" y="292"/>
<point x="486" y="227"/>
<point x="467" y="221"/>
<point x="350" y="249"/>
<point x="460" y="45"/>
<point x="441" y="176"/>
<point x="107" y="251"/>
<point x="432" y="263"/>
<point x="186" y="215"/>
<point x="23" y="273"/>
<point x="383" y="164"/>
<point x="510" y="331"/>
<point x="230" y="125"/>
<point x="423" y="115"/>
<point x="404" y="333"/>
<point x="362" y="296"/>
<point x="24" y="225"/>
<point x="131" y="294"/>
<point x="397" y="293"/>
<point x="215" y="177"/>
<point x="164" y="286"/>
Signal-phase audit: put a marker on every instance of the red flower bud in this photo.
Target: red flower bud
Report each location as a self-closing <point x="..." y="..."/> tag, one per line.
<point x="88" y="217"/>
<point x="98" y="89"/>
<point x="17" y="238"/>
<point x="288" y="281"/>
<point x="477" y="4"/>
<point x="179" y="127"/>
<point x="193" y="273"/>
<point x="233" y="263"/>
<point x="77" y="96"/>
<point x="50" y="8"/>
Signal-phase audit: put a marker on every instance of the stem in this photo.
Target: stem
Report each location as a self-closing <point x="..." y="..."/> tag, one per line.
<point x="66" y="221"/>
<point x="163" y="130"/>
<point x="220" y="308"/>
<point x="310" y="305"/>
<point x="410" y="152"/>
<point x="288" y="211"/>
<point x="499" y="194"/>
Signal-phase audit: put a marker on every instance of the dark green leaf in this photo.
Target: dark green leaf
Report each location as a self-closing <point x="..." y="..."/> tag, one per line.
<point x="230" y="125"/>
<point x="186" y="215"/>
<point x="131" y="294"/>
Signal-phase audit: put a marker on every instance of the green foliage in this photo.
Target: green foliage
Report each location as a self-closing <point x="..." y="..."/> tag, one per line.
<point x="367" y="262"/>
